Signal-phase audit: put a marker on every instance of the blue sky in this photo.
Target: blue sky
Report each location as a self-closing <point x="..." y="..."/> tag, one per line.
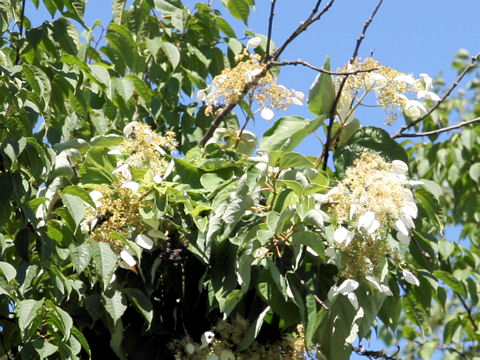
<point x="412" y="36"/>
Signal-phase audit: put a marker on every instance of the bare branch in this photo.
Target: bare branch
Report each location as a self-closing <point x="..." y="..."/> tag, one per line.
<point x="321" y="70"/>
<point x="376" y="354"/>
<point x="439" y="131"/>
<point x="20" y="30"/>
<point x="270" y="25"/>
<point x="301" y="28"/>
<point x="340" y="89"/>
<point x="470" y="66"/>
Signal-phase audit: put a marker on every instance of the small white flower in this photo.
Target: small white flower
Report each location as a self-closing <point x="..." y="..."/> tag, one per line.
<point x="343" y="236"/>
<point x="405" y="239"/>
<point x="330" y="251"/>
<point x="295" y="101"/>
<point x="267" y="114"/>
<point x="373" y="78"/>
<point x="144" y="241"/>
<point x="399" y="167"/>
<point x="407" y="79"/>
<point x="368" y="222"/>
<point x="414" y="108"/>
<point x="299" y="95"/>
<point x="124" y="171"/>
<point x="401" y="227"/>
<point x="127" y="256"/>
<point x="410" y="278"/>
<point x="130" y="128"/>
<point x="410" y="210"/>
<point x="380" y="287"/>
<point x="158" y="179"/>
<point x="333" y="191"/>
<point x="347" y="286"/>
<point x="201" y="95"/>
<point x="254" y="42"/>
<point x="96" y="195"/>
<point x="206" y="338"/>
<point x="189" y="348"/>
<point x="252" y="74"/>
<point x="353" y="210"/>
<point x="132" y="185"/>
<point x="424" y="92"/>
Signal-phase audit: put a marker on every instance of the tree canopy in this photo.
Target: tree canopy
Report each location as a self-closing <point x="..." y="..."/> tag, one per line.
<point x="140" y="219"/>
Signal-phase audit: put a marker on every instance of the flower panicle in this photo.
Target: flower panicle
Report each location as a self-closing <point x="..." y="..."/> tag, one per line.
<point x="249" y="78"/>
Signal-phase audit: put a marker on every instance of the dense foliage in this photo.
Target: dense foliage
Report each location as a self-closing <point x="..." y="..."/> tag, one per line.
<point x="140" y="221"/>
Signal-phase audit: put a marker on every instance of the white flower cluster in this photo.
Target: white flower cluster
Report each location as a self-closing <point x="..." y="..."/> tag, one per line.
<point x="374" y="197"/>
<point x="249" y="78"/>
<point x="390" y="87"/>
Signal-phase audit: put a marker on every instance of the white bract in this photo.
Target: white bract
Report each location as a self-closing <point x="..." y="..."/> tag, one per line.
<point x="267" y="114"/>
<point x="127" y="256"/>
<point x="144" y="241"/>
<point x="410" y="278"/>
<point x="254" y="42"/>
<point x="343" y="236"/>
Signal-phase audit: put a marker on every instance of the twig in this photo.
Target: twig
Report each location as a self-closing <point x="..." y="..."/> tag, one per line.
<point x="342" y="84"/>
<point x="301" y="28"/>
<point x="375" y="354"/>
<point x="444" y="347"/>
<point x="270" y="25"/>
<point x="468" y="310"/>
<point x="439" y="131"/>
<point x="20" y="30"/>
<point x="470" y="66"/>
<point x="321" y="70"/>
<point x="311" y="292"/>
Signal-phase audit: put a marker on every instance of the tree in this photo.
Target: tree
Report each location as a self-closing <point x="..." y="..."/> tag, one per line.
<point x="139" y="219"/>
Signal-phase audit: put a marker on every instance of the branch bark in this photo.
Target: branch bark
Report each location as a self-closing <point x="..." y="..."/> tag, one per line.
<point x="439" y="131"/>
<point x="470" y="66"/>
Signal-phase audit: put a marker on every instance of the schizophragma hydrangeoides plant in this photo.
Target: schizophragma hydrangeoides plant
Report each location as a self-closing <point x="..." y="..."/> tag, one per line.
<point x="139" y="219"/>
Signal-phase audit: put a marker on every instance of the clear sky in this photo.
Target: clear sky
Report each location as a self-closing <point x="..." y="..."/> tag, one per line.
<point x="412" y="36"/>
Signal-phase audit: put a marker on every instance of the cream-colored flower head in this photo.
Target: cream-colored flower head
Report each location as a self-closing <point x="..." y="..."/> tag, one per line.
<point x="390" y="87"/>
<point x="249" y="78"/>
<point x="374" y="197"/>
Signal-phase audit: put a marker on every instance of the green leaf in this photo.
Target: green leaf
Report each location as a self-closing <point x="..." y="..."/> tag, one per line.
<point x="172" y="53"/>
<point x="287" y="132"/>
<point x="97" y="167"/>
<point x="8" y="271"/>
<point x="225" y="27"/>
<point x="369" y="139"/>
<point x="44" y="348"/>
<point x="75" y="207"/>
<point x="474" y="172"/>
<point x="115" y="304"/>
<point x="427" y="349"/>
<point x="100" y="74"/>
<point x="253" y="331"/>
<point x="105" y="261"/>
<point x="322" y="93"/>
<point x="239" y="9"/>
<point x="65" y="33"/>
<point x="80" y="256"/>
<point x="81" y="339"/>
<point x="141" y="302"/>
<point x="293" y="159"/>
<point x="27" y="310"/>
<point x="188" y="173"/>
<point x="311" y="240"/>
<point x="65" y="320"/>
<point x="451" y="281"/>
<point x="123" y="87"/>
<point x="79" y="192"/>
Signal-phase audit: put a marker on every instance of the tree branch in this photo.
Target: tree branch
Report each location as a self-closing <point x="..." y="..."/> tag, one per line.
<point x="268" y="64"/>
<point x="376" y="354"/>
<point x="340" y="89"/>
<point x="321" y="70"/>
<point x="470" y="66"/>
<point x="468" y="310"/>
<point x="301" y="28"/>
<point x="439" y="131"/>
<point x="270" y="25"/>
<point x="311" y="292"/>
